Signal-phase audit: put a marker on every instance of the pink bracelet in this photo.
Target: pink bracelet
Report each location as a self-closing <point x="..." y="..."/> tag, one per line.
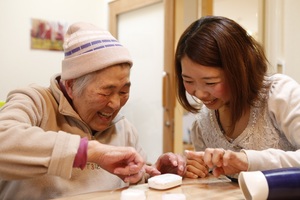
<point x="81" y="156"/>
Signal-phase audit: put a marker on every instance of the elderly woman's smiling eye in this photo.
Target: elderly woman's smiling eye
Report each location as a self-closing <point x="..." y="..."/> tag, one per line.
<point x="124" y="92"/>
<point x="105" y="93"/>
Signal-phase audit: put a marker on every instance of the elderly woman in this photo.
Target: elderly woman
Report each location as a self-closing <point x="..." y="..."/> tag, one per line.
<point x="69" y="138"/>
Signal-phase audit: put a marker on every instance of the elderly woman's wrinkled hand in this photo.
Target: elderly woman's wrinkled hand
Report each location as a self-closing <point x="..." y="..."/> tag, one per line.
<point x="171" y="163"/>
<point x="124" y="162"/>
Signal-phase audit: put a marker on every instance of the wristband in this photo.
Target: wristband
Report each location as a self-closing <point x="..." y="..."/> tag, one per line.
<point x="81" y="156"/>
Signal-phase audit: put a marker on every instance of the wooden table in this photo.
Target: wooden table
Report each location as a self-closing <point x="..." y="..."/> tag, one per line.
<point x="203" y="188"/>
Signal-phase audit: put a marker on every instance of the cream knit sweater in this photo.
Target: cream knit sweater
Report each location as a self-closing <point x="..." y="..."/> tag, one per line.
<point x="274" y="125"/>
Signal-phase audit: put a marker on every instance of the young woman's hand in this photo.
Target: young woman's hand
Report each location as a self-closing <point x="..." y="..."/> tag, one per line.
<point x="195" y="166"/>
<point x="225" y="162"/>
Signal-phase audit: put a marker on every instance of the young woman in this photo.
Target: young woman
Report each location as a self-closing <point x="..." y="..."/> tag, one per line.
<point x="241" y="106"/>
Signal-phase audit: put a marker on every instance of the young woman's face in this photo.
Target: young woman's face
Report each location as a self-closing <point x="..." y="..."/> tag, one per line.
<point x="103" y="98"/>
<point x="208" y="84"/>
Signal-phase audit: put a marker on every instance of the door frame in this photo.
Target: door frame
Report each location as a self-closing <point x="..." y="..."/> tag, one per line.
<point x="168" y="97"/>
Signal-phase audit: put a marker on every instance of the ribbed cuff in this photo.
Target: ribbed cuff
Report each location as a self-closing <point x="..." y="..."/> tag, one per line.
<point x="81" y="156"/>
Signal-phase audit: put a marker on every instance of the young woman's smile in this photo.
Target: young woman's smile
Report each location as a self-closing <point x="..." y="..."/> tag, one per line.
<point x="206" y="83"/>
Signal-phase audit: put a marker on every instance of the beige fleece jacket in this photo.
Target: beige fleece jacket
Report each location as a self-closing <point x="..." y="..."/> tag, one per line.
<point x="40" y="134"/>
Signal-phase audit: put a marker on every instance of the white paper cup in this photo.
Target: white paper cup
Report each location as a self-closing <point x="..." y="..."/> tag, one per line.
<point x="133" y="194"/>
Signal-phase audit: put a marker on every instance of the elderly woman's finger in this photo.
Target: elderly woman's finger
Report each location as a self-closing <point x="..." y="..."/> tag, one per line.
<point x="134" y="178"/>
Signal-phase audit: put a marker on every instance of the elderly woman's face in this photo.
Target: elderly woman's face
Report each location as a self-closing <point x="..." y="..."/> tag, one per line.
<point x="103" y="98"/>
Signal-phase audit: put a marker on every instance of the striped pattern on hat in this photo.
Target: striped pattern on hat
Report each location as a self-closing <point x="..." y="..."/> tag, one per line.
<point x="88" y="49"/>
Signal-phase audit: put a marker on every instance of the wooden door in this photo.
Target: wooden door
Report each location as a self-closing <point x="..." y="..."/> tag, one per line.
<point x="165" y="135"/>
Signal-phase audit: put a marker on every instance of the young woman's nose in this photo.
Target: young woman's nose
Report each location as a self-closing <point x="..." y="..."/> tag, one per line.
<point x="201" y="94"/>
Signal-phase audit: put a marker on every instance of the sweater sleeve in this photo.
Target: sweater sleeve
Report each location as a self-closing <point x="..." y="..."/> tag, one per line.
<point x="284" y="107"/>
<point x="272" y="159"/>
<point x="63" y="155"/>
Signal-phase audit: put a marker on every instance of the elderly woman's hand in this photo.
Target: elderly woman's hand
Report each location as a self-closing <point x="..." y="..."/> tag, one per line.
<point x="124" y="162"/>
<point x="170" y="163"/>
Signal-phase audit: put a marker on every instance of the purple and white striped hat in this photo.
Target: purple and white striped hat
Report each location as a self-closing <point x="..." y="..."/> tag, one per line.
<point x="88" y="49"/>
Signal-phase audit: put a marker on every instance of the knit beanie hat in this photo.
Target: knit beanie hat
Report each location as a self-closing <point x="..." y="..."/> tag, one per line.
<point x="88" y="49"/>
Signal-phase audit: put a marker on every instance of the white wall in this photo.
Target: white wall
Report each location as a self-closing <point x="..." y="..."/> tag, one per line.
<point x="282" y="27"/>
<point x="19" y="65"/>
<point x="291" y="39"/>
<point x="244" y="12"/>
<point x="282" y="38"/>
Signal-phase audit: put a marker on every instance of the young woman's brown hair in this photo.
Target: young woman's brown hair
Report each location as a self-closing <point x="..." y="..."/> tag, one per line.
<point x="220" y="42"/>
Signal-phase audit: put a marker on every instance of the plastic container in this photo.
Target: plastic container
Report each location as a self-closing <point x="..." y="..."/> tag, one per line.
<point x="283" y="183"/>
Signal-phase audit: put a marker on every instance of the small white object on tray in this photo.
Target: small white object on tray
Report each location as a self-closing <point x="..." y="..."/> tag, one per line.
<point x="164" y="181"/>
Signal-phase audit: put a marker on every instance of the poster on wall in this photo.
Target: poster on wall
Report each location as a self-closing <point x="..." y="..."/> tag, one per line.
<point x="47" y="35"/>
